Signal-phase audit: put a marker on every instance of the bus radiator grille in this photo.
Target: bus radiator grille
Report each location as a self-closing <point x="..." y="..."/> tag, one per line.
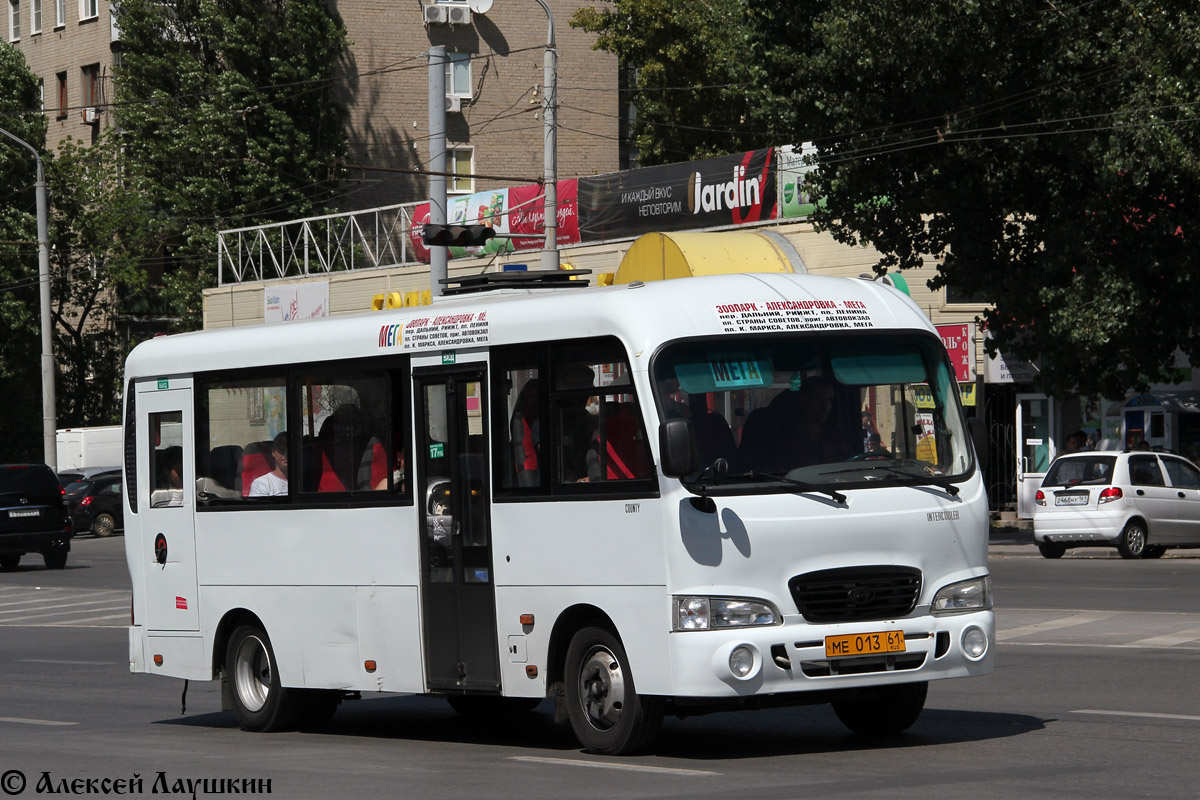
<point x="854" y="594"/>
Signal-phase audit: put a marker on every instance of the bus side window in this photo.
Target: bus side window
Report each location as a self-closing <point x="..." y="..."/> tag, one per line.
<point x="522" y="460"/>
<point x="236" y="422"/>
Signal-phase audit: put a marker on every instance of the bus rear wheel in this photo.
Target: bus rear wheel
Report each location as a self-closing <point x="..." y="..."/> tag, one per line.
<point x="884" y="710"/>
<point x="607" y="714"/>
<point x="259" y="701"/>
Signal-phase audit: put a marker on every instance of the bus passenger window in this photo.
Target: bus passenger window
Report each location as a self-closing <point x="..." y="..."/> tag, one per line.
<point x="522" y="444"/>
<point x="237" y="422"/>
<point x="346" y="432"/>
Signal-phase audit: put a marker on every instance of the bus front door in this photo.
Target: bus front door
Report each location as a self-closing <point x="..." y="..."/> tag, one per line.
<point x="458" y="598"/>
<point x="166" y="502"/>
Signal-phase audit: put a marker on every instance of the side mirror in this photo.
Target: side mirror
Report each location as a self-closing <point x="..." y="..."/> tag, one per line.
<point x="979" y="437"/>
<point x="677" y="443"/>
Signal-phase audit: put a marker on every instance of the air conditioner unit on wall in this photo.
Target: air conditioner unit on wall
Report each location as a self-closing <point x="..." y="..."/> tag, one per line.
<point x="459" y="15"/>
<point x="434" y="14"/>
<point x="91" y="116"/>
<point x="454" y="104"/>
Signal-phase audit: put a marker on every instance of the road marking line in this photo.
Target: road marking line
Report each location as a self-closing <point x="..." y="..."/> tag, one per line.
<point x="1189" y="717"/>
<point x="61" y="605"/>
<point x="1082" y="618"/>
<point x="78" y="622"/>
<point x="570" y="762"/>
<point x="64" y="661"/>
<point x="1169" y="639"/>
<point x="1108" y="645"/>
<point x="21" y="721"/>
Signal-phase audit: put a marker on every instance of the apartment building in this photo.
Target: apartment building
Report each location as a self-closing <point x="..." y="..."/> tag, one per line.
<point x="493" y="89"/>
<point x="71" y="46"/>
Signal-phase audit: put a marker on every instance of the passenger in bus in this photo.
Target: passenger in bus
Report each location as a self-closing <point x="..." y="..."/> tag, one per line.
<point x="792" y="431"/>
<point x="524" y="430"/>
<point x="275" y="482"/>
<point x="577" y="424"/>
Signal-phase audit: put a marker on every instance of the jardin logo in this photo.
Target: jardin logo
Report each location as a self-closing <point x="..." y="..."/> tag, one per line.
<point x="742" y="195"/>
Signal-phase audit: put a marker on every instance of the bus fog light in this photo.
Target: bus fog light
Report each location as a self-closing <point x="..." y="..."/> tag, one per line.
<point x="741" y="661"/>
<point x="974" y="643"/>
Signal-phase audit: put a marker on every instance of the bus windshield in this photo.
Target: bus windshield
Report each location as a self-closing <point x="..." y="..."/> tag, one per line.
<point x="868" y="410"/>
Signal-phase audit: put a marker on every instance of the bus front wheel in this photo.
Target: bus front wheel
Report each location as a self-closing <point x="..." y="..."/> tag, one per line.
<point x="607" y="714"/>
<point x="882" y="711"/>
<point x="259" y="701"/>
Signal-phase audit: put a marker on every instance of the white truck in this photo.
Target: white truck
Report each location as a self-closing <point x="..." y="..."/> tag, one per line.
<point x="89" y="447"/>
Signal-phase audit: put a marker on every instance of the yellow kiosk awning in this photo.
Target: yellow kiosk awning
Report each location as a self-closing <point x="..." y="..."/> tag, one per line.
<point x="659" y="256"/>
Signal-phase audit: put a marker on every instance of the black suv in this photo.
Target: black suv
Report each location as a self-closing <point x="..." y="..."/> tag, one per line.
<point x="33" y="516"/>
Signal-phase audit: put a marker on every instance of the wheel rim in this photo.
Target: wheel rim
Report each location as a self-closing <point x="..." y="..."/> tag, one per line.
<point x="602" y="688"/>
<point x="1135" y="540"/>
<point x="252" y="673"/>
<point x="103" y="525"/>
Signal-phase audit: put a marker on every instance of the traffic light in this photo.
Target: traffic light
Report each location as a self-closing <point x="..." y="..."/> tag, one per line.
<point x="456" y="235"/>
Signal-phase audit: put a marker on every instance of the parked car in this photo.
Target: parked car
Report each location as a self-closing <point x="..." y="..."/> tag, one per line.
<point x="33" y="516"/>
<point x="1137" y="501"/>
<point x="68" y="476"/>
<point x="95" y="505"/>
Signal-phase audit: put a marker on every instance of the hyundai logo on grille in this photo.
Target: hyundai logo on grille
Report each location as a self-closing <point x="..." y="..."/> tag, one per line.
<point x="860" y="596"/>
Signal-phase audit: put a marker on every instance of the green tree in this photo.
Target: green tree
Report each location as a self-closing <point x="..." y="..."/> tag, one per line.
<point x="694" y="85"/>
<point x="103" y="233"/>
<point x="1046" y="156"/>
<point x="228" y="113"/>
<point x="20" y="343"/>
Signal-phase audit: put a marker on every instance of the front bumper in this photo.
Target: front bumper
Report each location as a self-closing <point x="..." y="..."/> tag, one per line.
<point x="791" y="657"/>
<point x="1078" y="526"/>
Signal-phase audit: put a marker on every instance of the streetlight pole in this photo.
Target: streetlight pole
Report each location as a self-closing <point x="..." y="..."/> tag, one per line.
<point x="49" y="417"/>
<point x="438" y="256"/>
<point x="550" y="157"/>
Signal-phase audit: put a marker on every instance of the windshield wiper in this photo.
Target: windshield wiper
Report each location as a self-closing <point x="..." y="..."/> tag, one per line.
<point x="803" y="486"/>
<point x="936" y="480"/>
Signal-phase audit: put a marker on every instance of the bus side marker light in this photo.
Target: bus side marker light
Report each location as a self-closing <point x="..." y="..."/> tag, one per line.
<point x="531" y="671"/>
<point x="158" y="659"/>
<point x="369" y="666"/>
<point x="527" y="619"/>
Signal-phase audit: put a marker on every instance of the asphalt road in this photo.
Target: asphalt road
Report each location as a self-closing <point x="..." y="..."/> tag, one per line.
<point x="1095" y="695"/>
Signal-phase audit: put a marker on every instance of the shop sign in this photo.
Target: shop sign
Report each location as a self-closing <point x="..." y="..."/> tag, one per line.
<point x="713" y="192"/>
<point x="292" y="301"/>
<point x="960" y="345"/>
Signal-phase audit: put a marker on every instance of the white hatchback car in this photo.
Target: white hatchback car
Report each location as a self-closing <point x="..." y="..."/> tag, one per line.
<point x="1138" y="501"/>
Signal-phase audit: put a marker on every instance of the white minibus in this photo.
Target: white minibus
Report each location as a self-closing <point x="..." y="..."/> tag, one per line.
<point x="674" y="497"/>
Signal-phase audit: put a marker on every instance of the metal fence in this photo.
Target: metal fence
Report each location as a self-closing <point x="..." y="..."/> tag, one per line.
<point x="375" y="238"/>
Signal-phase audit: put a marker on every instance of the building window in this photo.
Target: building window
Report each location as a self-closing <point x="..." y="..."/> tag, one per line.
<point x="90" y="85"/>
<point x="62" y="94"/>
<point x="460" y="161"/>
<point x="60" y="13"/>
<point x="458" y="75"/>
<point x="88" y="9"/>
<point x="35" y="17"/>
<point x="14" y="20"/>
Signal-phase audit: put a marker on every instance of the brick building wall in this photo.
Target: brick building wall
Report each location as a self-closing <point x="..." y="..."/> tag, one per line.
<point x="72" y="54"/>
<point x="500" y="123"/>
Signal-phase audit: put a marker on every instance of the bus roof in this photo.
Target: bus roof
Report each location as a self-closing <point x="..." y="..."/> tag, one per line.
<point x="643" y="315"/>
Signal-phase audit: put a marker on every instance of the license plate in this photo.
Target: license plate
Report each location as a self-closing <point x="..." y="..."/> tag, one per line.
<point x="1070" y="499"/>
<point x="27" y="512"/>
<point x="861" y="644"/>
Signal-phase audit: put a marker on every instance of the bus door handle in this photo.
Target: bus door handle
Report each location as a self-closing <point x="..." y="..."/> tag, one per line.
<point x="456" y="528"/>
<point x="1140" y="493"/>
<point x="1182" y="494"/>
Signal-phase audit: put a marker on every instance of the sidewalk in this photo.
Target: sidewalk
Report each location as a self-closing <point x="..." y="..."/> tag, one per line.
<point x="1012" y="537"/>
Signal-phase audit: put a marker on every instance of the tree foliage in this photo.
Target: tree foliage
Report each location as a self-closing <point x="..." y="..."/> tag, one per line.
<point x="20" y="342"/>
<point x="1046" y="156"/>
<point x="693" y="84"/>
<point x="229" y="117"/>
<point x="102" y="232"/>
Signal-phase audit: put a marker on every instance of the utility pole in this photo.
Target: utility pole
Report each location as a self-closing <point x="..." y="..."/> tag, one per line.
<point x="49" y="403"/>
<point x="550" y="156"/>
<point x="438" y="256"/>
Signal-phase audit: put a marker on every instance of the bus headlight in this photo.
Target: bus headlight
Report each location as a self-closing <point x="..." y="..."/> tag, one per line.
<point x="710" y="613"/>
<point x="970" y="595"/>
